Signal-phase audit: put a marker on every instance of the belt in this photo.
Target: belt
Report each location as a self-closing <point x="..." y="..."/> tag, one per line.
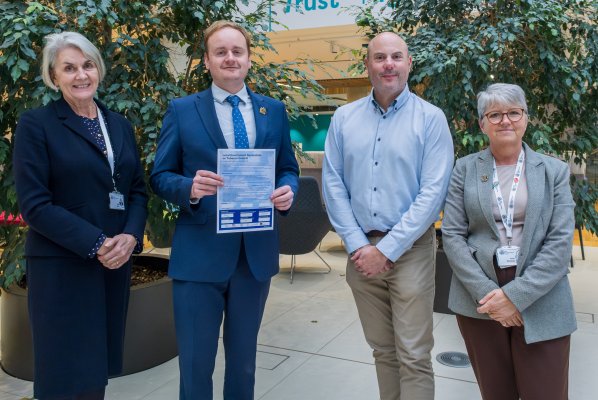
<point x="376" y="233"/>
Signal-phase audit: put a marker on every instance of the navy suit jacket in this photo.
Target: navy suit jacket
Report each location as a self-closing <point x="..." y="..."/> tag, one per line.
<point x="63" y="181"/>
<point x="189" y="141"/>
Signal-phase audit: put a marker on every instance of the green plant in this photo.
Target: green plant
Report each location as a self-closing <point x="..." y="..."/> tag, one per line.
<point x="547" y="47"/>
<point x="140" y="41"/>
<point x="12" y="239"/>
<point x="586" y="198"/>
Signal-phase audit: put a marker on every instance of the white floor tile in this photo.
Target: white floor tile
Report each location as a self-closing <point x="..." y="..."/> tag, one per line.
<point x="168" y="391"/>
<point x="322" y="378"/>
<point x="310" y="326"/>
<point x="136" y="386"/>
<point x="453" y="389"/>
<point x="350" y="344"/>
<point x="447" y="338"/>
<point x="9" y="396"/>
<point x="14" y="386"/>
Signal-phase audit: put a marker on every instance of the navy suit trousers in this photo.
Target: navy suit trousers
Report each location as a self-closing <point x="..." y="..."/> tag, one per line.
<point x="199" y="308"/>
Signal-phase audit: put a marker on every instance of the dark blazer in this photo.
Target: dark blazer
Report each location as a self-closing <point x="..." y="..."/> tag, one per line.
<point x="63" y="181"/>
<point x="77" y="308"/>
<point x="188" y="142"/>
<point x="540" y="290"/>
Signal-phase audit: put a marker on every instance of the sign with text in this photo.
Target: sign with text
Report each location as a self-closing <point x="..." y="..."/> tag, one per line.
<point x="302" y="14"/>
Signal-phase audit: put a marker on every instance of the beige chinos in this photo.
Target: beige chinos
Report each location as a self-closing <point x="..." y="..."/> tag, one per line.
<point x="395" y="309"/>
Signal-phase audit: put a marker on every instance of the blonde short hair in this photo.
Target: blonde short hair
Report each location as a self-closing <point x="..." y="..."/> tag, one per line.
<point x="56" y="42"/>
<point x="218" y="25"/>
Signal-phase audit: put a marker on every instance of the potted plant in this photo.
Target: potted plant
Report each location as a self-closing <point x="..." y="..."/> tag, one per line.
<point x="135" y="40"/>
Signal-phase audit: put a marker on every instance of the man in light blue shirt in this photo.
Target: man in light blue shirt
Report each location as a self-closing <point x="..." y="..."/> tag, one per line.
<point x="387" y="166"/>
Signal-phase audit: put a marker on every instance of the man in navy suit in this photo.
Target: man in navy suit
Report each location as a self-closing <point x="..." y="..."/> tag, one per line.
<point x="216" y="275"/>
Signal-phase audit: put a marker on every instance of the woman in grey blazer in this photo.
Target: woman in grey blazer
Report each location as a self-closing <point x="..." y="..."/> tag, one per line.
<point x="507" y="231"/>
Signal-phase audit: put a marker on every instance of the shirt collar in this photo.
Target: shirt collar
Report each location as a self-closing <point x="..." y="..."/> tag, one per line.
<point x="396" y="104"/>
<point x="220" y="95"/>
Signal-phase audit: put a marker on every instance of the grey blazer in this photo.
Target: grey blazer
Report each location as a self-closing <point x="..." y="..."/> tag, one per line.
<point x="540" y="290"/>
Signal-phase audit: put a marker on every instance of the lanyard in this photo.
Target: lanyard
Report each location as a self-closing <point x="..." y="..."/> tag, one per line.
<point x="109" y="151"/>
<point x="507" y="215"/>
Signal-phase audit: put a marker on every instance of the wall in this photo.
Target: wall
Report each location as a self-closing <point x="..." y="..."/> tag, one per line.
<point x="312" y="139"/>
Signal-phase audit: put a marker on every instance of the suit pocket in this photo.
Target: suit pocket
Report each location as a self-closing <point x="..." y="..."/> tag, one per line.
<point x="472" y="250"/>
<point x="474" y="253"/>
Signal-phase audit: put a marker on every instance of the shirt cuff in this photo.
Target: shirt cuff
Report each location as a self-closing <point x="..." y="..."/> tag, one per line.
<point x="97" y="246"/>
<point x="138" y="246"/>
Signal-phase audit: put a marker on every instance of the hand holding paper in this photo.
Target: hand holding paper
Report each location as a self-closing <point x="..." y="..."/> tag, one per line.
<point x="282" y="198"/>
<point x="205" y="183"/>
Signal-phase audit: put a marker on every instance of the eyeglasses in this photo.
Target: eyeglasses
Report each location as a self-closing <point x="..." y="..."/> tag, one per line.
<point x="514" y="115"/>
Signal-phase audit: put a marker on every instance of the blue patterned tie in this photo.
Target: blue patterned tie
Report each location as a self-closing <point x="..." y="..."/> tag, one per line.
<point x="241" y="140"/>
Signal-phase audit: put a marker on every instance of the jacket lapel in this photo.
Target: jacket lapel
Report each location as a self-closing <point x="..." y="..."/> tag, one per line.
<point x="485" y="192"/>
<point x="72" y="121"/>
<point x="535" y="177"/>
<point x="74" y="124"/>
<point x="260" y="113"/>
<point x="204" y="103"/>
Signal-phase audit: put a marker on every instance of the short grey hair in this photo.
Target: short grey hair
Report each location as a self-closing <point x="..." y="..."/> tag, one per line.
<point x="501" y="93"/>
<point x="56" y="42"/>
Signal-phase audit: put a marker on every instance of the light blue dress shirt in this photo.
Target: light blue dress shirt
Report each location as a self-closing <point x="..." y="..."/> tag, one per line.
<point x="224" y="113"/>
<point x="386" y="171"/>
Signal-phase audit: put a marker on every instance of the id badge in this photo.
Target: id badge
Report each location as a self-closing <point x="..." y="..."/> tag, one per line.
<point x="117" y="201"/>
<point x="507" y="256"/>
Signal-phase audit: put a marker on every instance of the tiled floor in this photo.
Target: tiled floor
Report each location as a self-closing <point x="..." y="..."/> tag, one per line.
<point x="311" y="346"/>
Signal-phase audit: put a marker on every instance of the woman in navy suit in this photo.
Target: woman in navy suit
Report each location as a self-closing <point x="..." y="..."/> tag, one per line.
<point x="81" y="191"/>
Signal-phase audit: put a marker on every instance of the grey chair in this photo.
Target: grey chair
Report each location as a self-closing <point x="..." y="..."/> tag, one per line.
<point x="305" y="225"/>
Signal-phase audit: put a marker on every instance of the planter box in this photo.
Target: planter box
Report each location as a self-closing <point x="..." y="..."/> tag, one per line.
<point x="443" y="277"/>
<point x="444" y="274"/>
<point x="149" y="336"/>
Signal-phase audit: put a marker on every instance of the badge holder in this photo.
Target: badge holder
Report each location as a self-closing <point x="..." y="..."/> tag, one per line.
<point x="507" y="256"/>
<point x="117" y="201"/>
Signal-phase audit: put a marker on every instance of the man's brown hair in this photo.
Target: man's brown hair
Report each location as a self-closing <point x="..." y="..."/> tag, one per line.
<point x="218" y="25"/>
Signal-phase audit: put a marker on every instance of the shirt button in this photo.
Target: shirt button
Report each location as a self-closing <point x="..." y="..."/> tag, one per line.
<point x="384" y="117"/>
<point x="375" y="189"/>
<point x="376" y="163"/>
<point x="375" y="214"/>
<point x="378" y="139"/>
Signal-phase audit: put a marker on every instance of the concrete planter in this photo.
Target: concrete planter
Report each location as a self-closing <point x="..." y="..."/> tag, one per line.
<point x="149" y="336"/>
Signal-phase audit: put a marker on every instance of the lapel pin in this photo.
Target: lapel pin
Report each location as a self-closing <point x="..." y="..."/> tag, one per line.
<point x="484" y="178"/>
<point x="263" y="110"/>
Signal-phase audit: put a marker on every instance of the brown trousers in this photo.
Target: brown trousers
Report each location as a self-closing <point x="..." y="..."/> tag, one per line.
<point x="506" y="367"/>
